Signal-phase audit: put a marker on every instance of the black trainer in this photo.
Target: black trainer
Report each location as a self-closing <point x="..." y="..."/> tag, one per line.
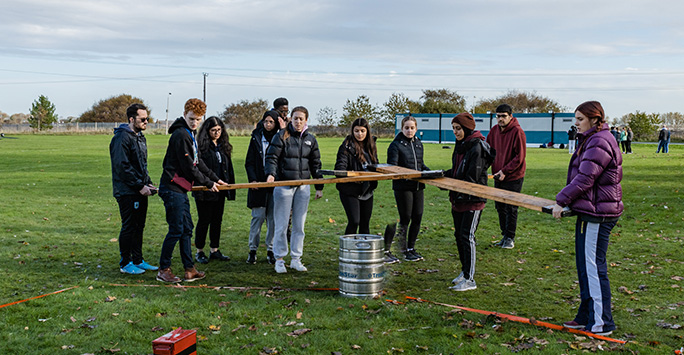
<point x="271" y="258"/>
<point x="415" y="253"/>
<point x="389" y="258"/>
<point x="201" y="258"/>
<point x="409" y="256"/>
<point x="251" y="259"/>
<point x="218" y="256"/>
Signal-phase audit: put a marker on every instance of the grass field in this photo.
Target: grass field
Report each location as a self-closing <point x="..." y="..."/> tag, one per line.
<point x="59" y="222"/>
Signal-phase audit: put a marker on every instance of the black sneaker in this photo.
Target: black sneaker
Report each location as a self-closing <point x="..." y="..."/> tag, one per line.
<point x="508" y="243"/>
<point x="201" y="258"/>
<point x="251" y="259"/>
<point x="271" y="258"/>
<point x="415" y="253"/>
<point x="408" y="256"/>
<point x="218" y="256"/>
<point x="389" y="258"/>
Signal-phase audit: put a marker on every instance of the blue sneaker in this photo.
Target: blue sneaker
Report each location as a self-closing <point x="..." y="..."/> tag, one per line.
<point x="131" y="269"/>
<point x="145" y="266"/>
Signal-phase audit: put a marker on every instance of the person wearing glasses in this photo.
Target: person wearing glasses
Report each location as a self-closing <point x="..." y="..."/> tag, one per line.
<point x="215" y="153"/>
<point x="131" y="184"/>
<point x="509" y="141"/>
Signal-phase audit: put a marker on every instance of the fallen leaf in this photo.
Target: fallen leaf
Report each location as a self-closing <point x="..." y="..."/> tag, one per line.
<point x="156" y="328"/>
<point x="214" y="328"/>
<point x="72" y="319"/>
<point x="299" y="332"/>
<point x="113" y="240"/>
<point x="110" y="299"/>
<point x="355" y="347"/>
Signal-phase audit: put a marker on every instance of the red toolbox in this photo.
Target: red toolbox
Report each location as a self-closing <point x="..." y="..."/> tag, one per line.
<point x="178" y="342"/>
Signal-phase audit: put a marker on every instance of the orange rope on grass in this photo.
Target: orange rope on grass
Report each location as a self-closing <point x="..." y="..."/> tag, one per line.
<point x="516" y="319"/>
<point x="33" y="298"/>
<point x="231" y="287"/>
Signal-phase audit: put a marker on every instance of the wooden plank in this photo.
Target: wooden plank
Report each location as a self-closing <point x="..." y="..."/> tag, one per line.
<point x="368" y="177"/>
<point x="488" y="192"/>
<point x="347" y="173"/>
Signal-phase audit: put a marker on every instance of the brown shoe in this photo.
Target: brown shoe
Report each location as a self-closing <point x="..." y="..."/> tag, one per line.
<point x="165" y="275"/>
<point x="192" y="274"/>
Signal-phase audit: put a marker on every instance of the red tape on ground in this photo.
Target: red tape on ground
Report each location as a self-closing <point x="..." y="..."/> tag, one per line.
<point x="33" y="298"/>
<point x="516" y="319"/>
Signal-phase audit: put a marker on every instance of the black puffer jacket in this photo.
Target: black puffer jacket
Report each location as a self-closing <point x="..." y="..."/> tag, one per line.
<point x="179" y="159"/>
<point x="254" y="165"/>
<point x="128" y="153"/>
<point x="223" y="169"/>
<point x="347" y="160"/>
<point x="294" y="158"/>
<point x="407" y="153"/>
<point x="470" y="162"/>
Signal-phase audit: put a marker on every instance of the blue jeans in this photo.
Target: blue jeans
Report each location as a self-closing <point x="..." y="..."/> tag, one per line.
<point x="286" y="199"/>
<point x="664" y="145"/>
<point x="180" y="228"/>
<point x="259" y="215"/>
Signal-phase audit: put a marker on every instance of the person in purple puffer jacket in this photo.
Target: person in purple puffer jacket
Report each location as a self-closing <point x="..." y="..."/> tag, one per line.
<point x="594" y="193"/>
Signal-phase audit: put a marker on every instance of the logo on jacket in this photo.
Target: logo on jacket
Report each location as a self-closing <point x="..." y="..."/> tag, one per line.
<point x="307" y="142"/>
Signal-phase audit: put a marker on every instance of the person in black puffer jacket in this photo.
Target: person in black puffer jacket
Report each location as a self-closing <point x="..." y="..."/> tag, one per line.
<point x="471" y="158"/>
<point x="406" y="151"/>
<point x="293" y="155"/>
<point x="356" y="152"/>
<point x="261" y="200"/>
<point x="215" y="153"/>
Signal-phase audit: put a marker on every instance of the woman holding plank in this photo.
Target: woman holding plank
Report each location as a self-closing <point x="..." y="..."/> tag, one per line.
<point x="215" y="150"/>
<point x="261" y="200"/>
<point x="471" y="158"/>
<point x="594" y="193"/>
<point x="356" y="152"/>
<point x="293" y="155"/>
<point x="406" y="151"/>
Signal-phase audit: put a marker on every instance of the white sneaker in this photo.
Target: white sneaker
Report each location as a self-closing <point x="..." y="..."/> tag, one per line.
<point x="466" y="285"/>
<point x="459" y="279"/>
<point x="297" y="265"/>
<point x="280" y="266"/>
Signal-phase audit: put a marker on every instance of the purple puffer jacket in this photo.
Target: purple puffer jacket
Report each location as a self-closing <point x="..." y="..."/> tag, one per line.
<point x="594" y="176"/>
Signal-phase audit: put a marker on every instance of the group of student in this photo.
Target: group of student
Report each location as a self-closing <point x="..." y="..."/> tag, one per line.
<point x="624" y="137"/>
<point x="281" y="148"/>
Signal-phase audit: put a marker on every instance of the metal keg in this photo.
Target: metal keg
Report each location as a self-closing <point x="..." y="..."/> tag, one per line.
<point x="362" y="271"/>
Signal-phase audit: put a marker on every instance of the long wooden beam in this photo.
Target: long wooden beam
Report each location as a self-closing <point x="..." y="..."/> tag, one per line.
<point x="365" y="177"/>
<point x="488" y="192"/>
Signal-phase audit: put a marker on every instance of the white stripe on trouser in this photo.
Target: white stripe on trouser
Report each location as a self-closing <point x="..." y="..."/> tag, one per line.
<point x="471" y="241"/>
<point x="593" y="282"/>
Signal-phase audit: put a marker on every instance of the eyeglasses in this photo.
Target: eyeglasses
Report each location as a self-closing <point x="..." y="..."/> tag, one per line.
<point x="215" y="130"/>
<point x="144" y="119"/>
<point x="501" y="115"/>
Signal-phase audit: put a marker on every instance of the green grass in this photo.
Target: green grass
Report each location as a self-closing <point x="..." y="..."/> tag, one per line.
<point x="57" y="219"/>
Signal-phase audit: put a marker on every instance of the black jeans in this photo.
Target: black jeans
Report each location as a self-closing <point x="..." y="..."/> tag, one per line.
<point x="133" y="210"/>
<point x="358" y="214"/>
<point x="209" y="215"/>
<point x="410" y="206"/>
<point x="508" y="214"/>
<point x="180" y="228"/>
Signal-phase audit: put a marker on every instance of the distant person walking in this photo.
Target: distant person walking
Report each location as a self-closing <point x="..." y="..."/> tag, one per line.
<point x="594" y="193"/>
<point x="509" y="141"/>
<point x="215" y="153"/>
<point x="623" y="139"/>
<point x="131" y="184"/>
<point x="664" y="140"/>
<point x="630" y="137"/>
<point x="572" y="138"/>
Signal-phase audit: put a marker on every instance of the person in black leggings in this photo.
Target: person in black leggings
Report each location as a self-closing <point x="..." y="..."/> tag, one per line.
<point x="406" y="151"/>
<point x="356" y="152"/>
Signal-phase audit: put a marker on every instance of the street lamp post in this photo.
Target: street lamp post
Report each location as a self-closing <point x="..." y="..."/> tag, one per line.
<point x="166" y="130"/>
<point x="553" y="118"/>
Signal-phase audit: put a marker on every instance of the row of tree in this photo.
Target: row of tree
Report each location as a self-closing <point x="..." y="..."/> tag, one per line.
<point x="244" y="112"/>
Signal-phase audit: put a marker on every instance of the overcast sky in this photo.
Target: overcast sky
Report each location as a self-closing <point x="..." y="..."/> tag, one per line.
<point x="627" y="54"/>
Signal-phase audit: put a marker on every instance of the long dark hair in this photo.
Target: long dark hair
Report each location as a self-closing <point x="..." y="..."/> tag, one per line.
<point x="204" y="140"/>
<point x="368" y="144"/>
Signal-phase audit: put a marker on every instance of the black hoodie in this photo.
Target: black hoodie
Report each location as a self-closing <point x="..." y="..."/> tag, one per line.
<point x="179" y="160"/>
<point x="128" y="153"/>
<point x="254" y="165"/>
